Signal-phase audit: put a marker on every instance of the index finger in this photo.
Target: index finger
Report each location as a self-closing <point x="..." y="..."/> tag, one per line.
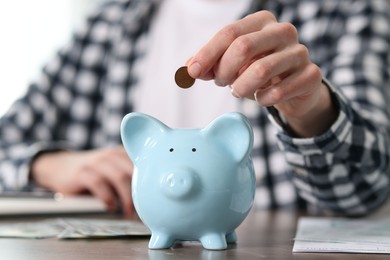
<point x="202" y="63"/>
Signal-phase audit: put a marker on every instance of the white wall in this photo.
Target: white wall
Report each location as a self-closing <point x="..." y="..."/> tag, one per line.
<point x="31" y="32"/>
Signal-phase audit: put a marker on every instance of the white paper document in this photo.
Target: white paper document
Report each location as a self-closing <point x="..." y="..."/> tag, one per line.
<point x="342" y="235"/>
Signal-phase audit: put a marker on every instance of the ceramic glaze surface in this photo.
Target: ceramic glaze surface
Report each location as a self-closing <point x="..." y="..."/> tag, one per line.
<point x="191" y="184"/>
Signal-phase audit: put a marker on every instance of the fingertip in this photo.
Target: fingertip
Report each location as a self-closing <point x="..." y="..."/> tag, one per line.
<point x="129" y="213"/>
<point x="111" y="205"/>
<point x="234" y="93"/>
<point x="195" y="69"/>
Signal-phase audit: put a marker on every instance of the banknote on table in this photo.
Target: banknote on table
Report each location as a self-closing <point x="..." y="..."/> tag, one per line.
<point x="40" y="229"/>
<point x="66" y="228"/>
<point x="81" y="228"/>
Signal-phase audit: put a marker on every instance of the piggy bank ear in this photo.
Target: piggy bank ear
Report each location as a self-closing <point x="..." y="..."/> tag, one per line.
<point x="140" y="131"/>
<point x="232" y="133"/>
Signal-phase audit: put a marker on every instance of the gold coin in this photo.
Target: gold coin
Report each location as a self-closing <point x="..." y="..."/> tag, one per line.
<point x="183" y="79"/>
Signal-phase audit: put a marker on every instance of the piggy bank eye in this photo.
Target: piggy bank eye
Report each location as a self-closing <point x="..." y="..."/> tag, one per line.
<point x="194" y="149"/>
<point x="171" y="150"/>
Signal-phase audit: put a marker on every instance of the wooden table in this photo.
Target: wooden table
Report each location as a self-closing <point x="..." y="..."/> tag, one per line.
<point x="263" y="235"/>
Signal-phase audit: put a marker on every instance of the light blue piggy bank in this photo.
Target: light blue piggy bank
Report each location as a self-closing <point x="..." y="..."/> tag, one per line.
<point x="191" y="184"/>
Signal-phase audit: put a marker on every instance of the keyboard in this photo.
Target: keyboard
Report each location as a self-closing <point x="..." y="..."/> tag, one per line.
<point x="26" y="203"/>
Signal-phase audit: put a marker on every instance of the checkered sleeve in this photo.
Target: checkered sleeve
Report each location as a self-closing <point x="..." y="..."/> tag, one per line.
<point x="346" y="170"/>
<point x="36" y="122"/>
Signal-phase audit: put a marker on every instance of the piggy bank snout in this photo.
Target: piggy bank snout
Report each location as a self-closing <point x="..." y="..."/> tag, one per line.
<point x="179" y="184"/>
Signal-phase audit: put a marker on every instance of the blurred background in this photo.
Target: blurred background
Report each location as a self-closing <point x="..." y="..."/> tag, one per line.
<point x="31" y="33"/>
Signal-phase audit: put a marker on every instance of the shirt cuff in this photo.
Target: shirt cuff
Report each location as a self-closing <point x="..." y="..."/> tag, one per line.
<point x="32" y="152"/>
<point x="326" y="142"/>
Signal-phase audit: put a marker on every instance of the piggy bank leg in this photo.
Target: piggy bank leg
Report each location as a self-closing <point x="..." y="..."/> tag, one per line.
<point x="214" y="241"/>
<point x="231" y="237"/>
<point x="160" y="241"/>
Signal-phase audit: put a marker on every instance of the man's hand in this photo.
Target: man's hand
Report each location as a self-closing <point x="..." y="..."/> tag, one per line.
<point x="261" y="59"/>
<point x="105" y="173"/>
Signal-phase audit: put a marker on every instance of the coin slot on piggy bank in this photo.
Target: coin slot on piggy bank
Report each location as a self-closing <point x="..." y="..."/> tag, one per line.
<point x="191" y="184"/>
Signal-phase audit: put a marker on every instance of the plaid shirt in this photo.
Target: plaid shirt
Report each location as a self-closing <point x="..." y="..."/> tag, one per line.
<point x="83" y="94"/>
